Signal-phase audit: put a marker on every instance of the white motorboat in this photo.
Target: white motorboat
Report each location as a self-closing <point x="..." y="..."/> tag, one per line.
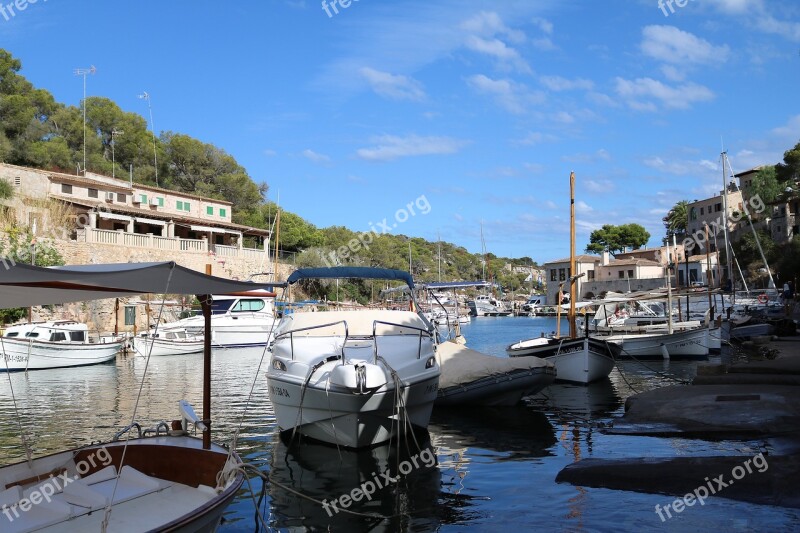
<point x="165" y="341"/>
<point x="237" y="320"/>
<point x="581" y="360"/>
<point x="353" y="378"/>
<point x="162" y="480"/>
<point x="53" y="344"/>
<point x="485" y="305"/>
<point x="471" y="378"/>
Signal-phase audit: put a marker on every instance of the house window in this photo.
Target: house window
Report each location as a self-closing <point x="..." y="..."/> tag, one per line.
<point x="630" y="274"/>
<point x="143" y="198"/>
<point x="621" y="274"/>
<point x="717" y="207"/>
<point x="553" y="274"/>
<point x="121" y="197"/>
<point x="210" y="210"/>
<point x="562" y="274"/>
<point x="179" y="205"/>
<point x="590" y="275"/>
<point x="186" y="206"/>
<point x="783" y="210"/>
<point x="223" y="213"/>
<point x="693" y="213"/>
<point x="160" y="201"/>
<point x="93" y="193"/>
<point x="17" y="181"/>
<point x="66" y="188"/>
<point x="702" y="211"/>
<point x="130" y="315"/>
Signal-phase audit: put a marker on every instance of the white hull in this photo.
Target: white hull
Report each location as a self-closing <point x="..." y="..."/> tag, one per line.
<point x="577" y="360"/>
<point x="166" y="485"/>
<point x="19" y="354"/>
<point x="234" y="332"/>
<point x="353" y="378"/>
<point x="348" y="419"/>
<point x="145" y="346"/>
<point x="690" y="344"/>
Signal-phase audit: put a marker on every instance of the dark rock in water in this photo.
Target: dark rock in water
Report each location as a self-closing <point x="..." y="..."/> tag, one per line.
<point x="713" y="410"/>
<point x="761" y="479"/>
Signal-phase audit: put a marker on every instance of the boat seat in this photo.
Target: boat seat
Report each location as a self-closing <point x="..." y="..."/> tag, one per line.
<point x="15" y="520"/>
<point x="132" y="484"/>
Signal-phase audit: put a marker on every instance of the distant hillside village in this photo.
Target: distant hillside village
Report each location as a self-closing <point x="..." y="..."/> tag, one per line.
<point x="644" y="269"/>
<point x="97" y="219"/>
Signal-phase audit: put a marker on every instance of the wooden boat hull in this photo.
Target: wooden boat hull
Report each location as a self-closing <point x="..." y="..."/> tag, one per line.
<point x="171" y="488"/>
<point x="20" y="355"/>
<point x="689" y="344"/>
<point x="581" y="361"/>
<point x="164" y="347"/>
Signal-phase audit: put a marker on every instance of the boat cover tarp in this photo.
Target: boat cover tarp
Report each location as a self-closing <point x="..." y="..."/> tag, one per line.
<point x="461" y="365"/>
<point x="23" y="285"/>
<point x="349" y="273"/>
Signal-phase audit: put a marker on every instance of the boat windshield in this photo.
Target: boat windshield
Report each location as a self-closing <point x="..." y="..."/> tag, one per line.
<point x="242" y="305"/>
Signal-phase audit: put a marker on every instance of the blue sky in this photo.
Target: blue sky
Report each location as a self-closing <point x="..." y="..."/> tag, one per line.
<point x="482" y="107"/>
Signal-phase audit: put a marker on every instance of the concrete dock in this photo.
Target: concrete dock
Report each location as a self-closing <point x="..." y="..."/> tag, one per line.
<point x="756" y="399"/>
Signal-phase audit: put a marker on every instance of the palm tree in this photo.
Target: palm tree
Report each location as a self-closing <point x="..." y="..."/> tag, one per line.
<point x="677" y="219"/>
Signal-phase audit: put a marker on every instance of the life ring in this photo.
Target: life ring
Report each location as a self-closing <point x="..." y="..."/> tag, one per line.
<point x="763" y="298"/>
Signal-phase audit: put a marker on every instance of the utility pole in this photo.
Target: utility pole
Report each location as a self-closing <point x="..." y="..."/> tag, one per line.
<point x="146" y="96"/>
<point x="83" y="72"/>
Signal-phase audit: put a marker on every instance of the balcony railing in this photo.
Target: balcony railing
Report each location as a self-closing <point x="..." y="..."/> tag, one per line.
<point x="138" y="240"/>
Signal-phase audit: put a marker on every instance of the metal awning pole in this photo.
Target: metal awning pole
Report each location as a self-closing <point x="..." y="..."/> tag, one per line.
<point x="205" y="304"/>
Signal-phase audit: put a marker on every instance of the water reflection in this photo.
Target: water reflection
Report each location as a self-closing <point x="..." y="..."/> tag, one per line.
<point x="321" y="472"/>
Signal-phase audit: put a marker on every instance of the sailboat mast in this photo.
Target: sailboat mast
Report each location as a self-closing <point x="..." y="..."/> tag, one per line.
<point x="572" y="274"/>
<point x="725" y="223"/>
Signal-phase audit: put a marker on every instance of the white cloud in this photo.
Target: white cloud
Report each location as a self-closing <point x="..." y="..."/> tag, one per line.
<point x="672" y="45"/>
<point x="395" y="87"/>
<point x="557" y="83"/>
<point x="598" y="186"/>
<point x="490" y="23"/>
<point x="535" y="137"/>
<point x="270" y="153"/>
<point x="582" y="207"/>
<point x="390" y="147"/>
<point x="674" y="97"/>
<point x="315" y="157"/>
<point x="544" y="44"/>
<point x="499" y="50"/>
<point x="544" y="25"/>
<point x="790" y="131"/>
<point x="513" y="96"/>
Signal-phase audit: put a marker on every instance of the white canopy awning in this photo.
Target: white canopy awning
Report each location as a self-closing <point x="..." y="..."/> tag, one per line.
<point x="114" y="216"/>
<point x="151" y="221"/>
<point x="208" y="229"/>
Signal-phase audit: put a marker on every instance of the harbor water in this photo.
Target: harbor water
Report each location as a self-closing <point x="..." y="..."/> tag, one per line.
<point x="494" y="469"/>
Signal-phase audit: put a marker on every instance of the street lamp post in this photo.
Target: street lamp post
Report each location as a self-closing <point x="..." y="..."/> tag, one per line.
<point x="113" y="157"/>
<point x="83" y="72"/>
<point x="146" y="96"/>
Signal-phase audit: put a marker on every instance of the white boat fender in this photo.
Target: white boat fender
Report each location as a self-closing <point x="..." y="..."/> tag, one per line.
<point x="188" y="415"/>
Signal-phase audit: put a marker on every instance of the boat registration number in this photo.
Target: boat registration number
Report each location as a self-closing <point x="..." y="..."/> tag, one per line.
<point x="279" y="391"/>
<point x="15" y="358"/>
